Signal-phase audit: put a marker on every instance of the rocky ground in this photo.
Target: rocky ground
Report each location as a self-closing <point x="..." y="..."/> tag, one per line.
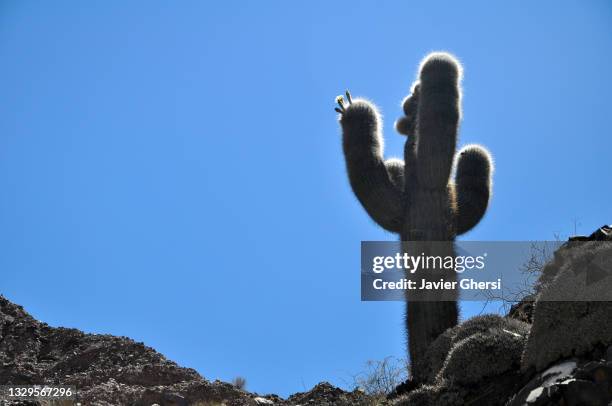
<point x="553" y="348"/>
<point x="109" y="370"/>
<point x="542" y="353"/>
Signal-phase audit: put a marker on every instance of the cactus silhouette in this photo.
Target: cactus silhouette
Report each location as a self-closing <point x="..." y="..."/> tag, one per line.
<point x="416" y="198"/>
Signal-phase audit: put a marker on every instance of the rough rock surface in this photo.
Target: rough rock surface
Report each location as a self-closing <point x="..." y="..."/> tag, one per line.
<point x="571" y="314"/>
<point x="570" y="382"/>
<point x="110" y="370"/>
<point x="565" y="349"/>
<point x="325" y="394"/>
<point x="554" y="348"/>
<point x="523" y="310"/>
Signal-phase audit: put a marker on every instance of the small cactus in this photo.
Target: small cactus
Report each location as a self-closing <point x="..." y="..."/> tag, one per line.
<point x="416" y="198"/>
<point x="483" y="355"/>
<point x="437" y="353"/>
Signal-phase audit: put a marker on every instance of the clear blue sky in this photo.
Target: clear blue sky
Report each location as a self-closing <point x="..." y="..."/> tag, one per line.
<point x="172" y="171"/>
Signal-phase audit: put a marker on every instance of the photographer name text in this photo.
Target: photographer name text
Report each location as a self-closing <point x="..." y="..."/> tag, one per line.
<point x="423" y="284"/>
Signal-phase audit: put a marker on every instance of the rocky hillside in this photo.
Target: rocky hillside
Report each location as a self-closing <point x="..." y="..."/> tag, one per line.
<point x="545" y="352"/>
<point x="110" y="370"/>
<point x="554" y="348"/>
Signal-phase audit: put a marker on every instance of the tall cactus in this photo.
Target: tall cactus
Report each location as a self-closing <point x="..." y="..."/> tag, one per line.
<point x="416" y="198"/>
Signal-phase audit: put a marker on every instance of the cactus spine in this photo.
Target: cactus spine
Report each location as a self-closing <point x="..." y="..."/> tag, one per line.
<point x="416" y="198"/>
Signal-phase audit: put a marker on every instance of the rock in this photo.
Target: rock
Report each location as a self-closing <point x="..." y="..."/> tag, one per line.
<point x="325" y="394"/>
<point x="604" y="233"/>
<point x="570" y="383"/>
<point x="541" y="389"/>
<point x="571" y="317"/>
<point x="595" y="371"/>
<point x="563" y="358"/>
<point x="584" y="393"/>
<point x="478" y="361"/>
<point x="110" y="370"/>
<point x="523" y="310"/>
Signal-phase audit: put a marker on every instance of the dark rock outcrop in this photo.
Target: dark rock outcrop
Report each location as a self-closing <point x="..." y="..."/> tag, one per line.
<point x="553" y="348"/>
<point x="573" y="311"/>
<point x="109" y="370"/>
<point x="545" y="352"/>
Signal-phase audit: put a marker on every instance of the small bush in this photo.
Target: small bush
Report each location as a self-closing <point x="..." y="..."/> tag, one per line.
<point x="381" y="377"/>
<point x="239" y="382"/>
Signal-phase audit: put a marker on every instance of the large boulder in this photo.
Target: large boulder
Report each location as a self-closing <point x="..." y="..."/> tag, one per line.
<point x="573" y="310"/>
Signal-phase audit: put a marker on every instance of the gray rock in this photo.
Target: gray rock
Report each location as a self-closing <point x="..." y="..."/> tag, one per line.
<point x="569" y="317"/>
<point x="110" y="370"/>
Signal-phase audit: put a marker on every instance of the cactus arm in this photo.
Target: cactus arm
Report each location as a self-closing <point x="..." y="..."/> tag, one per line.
<point x="438" y="116"/>
<point x="372" y="181"/>
<point x="406" y="125"/>
<point x="472" y="186"/>
<point x="395" y="167"/>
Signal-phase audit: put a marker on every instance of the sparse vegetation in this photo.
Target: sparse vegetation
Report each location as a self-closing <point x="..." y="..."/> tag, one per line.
<point x="380" y="378"/>
<point x="539" y="255"/>
<point x="239" y="382"/>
